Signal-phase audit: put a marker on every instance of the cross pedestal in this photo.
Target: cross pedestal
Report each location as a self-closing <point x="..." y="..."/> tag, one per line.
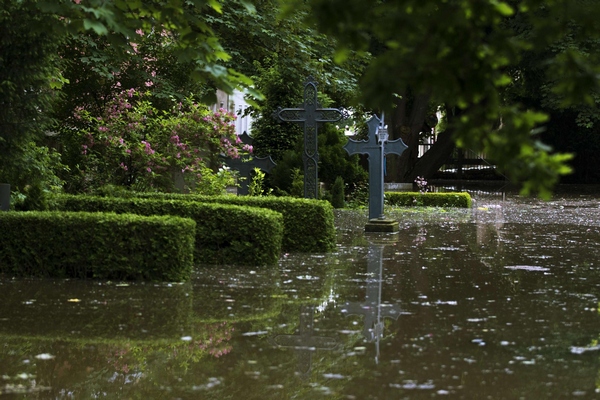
<point x="304" y="342"/>
<point x="245" y="165"/>
<point x="376" y="148"/>
<point x="310" y="115"/>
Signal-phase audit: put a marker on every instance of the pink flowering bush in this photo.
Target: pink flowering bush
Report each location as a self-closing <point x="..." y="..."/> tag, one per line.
<point x="134" y="145"/>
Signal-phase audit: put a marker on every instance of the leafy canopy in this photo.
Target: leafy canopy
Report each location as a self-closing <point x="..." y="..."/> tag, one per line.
<point x="461" y="52"/>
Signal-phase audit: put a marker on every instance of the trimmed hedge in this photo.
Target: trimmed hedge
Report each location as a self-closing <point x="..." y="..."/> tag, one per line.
<point x="308" y="224"/>
<point x="225" y="234"/>
<point x="409" y="199"/>
<point x="93" y="245"/>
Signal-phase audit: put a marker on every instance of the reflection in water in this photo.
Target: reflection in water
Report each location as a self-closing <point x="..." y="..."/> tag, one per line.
<point x="372" y="309"/>
<point x="304" y="342"/>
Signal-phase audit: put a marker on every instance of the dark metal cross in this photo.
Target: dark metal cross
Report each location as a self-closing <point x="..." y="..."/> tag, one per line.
<point x="304" y="342"/>
<point x="376" y="149"/>
<point x="372" y="309"/>
<point x="245" y="165"/>
<point x="310" y="114"/>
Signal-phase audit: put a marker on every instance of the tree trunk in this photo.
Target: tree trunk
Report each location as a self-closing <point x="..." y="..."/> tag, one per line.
<point x="408" y="119"/>
<point x="434" y="158"/>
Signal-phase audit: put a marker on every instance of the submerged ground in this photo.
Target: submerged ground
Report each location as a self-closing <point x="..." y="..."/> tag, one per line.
<point x="499" y="301"/>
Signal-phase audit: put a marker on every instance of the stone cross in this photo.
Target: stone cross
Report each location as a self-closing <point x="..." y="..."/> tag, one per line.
<point x="376" y="149"/>
<point x="310" y="115"/>
<point x="372" y="309"/>
<point x="245" y="165"/>
<point x="304" y="342"/>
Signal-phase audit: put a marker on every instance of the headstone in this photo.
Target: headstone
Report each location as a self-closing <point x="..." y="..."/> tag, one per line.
<point x="376" y="147"/>
<point x="245" y="165"/>
<point x="372" y="309"/>
<point x="304" y="342"/>
<point x="4" y="197"/>
<point x="310" y="115"/>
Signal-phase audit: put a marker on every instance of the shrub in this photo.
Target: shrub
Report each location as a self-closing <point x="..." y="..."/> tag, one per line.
<point x="337" y="193"/>
<point x="225" y="234"/>
<point x="95" y="245"/>
<point x="308" y="224"/>
<point x="409" y="199"/>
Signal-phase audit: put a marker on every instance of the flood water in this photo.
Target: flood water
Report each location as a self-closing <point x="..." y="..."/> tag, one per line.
<point x="497" y="302"/>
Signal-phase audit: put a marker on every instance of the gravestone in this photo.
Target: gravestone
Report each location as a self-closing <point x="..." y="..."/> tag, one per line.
<point x="376" y="147"/>
<point x="310" y="114"/>
<point x="4" y="196"/>
<point x="245" y="165"/>
<point x="372" y="309"/>
<point x="304" y="342"/>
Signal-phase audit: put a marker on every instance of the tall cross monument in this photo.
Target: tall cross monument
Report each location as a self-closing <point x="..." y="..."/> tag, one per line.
<point x="310" y="114"/>
<point x="377" y="146"/>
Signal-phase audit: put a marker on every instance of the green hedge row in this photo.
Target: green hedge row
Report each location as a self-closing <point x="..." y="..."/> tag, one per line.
<point x="94" y="245"/>
<point x="225" y="234"/>
<point x="308" y="224"/>
<point x="409" y="199"/>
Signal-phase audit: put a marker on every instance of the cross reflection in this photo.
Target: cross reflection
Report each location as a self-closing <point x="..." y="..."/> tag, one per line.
<point x="304" y="342"/>
<point x="372" y="309"/>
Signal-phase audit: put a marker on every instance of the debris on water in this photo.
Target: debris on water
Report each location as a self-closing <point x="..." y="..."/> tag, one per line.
<point x="254" y="333"/>
<point x="527" y="268"/>
<point x="581" y="350"/>
<point x="44" y="356"/>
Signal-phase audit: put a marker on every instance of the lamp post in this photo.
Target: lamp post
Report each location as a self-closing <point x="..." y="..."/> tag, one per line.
<point x="382" y="138"/>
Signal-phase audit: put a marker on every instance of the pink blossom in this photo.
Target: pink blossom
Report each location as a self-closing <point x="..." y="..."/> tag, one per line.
<point x="149" y="169"/>
<point x="149" y="83"/>
<point x="139" y="32"/>
<point x="103" y="129"/>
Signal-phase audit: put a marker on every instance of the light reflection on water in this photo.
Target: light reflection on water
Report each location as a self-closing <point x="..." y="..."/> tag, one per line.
<point x="500" y="301"/>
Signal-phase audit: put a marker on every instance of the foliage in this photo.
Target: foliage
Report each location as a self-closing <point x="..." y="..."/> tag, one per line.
<point x="225" y="233"/>
<point x="460" y="53"/>
<point x="308" y="224"/>
<point x="30" y="74"/>
<point x="421" y="184"/>
<point x="257" y="186"/>
<point x="358" y="197"/>
<point x="132" y="144"/>
<point x="96" y="245"/>
<point x="287" y="177"/>
<point x="97" y="72"/>
<point x="428" y="199"/>
<point x="193" y="40"/>
<point x="337" y="193"/>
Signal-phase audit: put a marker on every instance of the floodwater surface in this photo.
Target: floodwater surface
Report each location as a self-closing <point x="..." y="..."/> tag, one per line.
<point x="497" y="302"/>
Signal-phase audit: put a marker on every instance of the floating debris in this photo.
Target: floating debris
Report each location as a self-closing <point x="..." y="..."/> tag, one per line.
<point x="527" y="268"/>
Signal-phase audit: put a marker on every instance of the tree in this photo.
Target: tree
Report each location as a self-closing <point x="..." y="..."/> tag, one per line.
<point x="459" y="54"/>
<point x="29" y="77"/>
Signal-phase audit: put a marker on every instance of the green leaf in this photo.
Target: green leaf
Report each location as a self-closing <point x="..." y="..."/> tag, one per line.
<point x="503" y="8"/>
<point x="97" y="26"/>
